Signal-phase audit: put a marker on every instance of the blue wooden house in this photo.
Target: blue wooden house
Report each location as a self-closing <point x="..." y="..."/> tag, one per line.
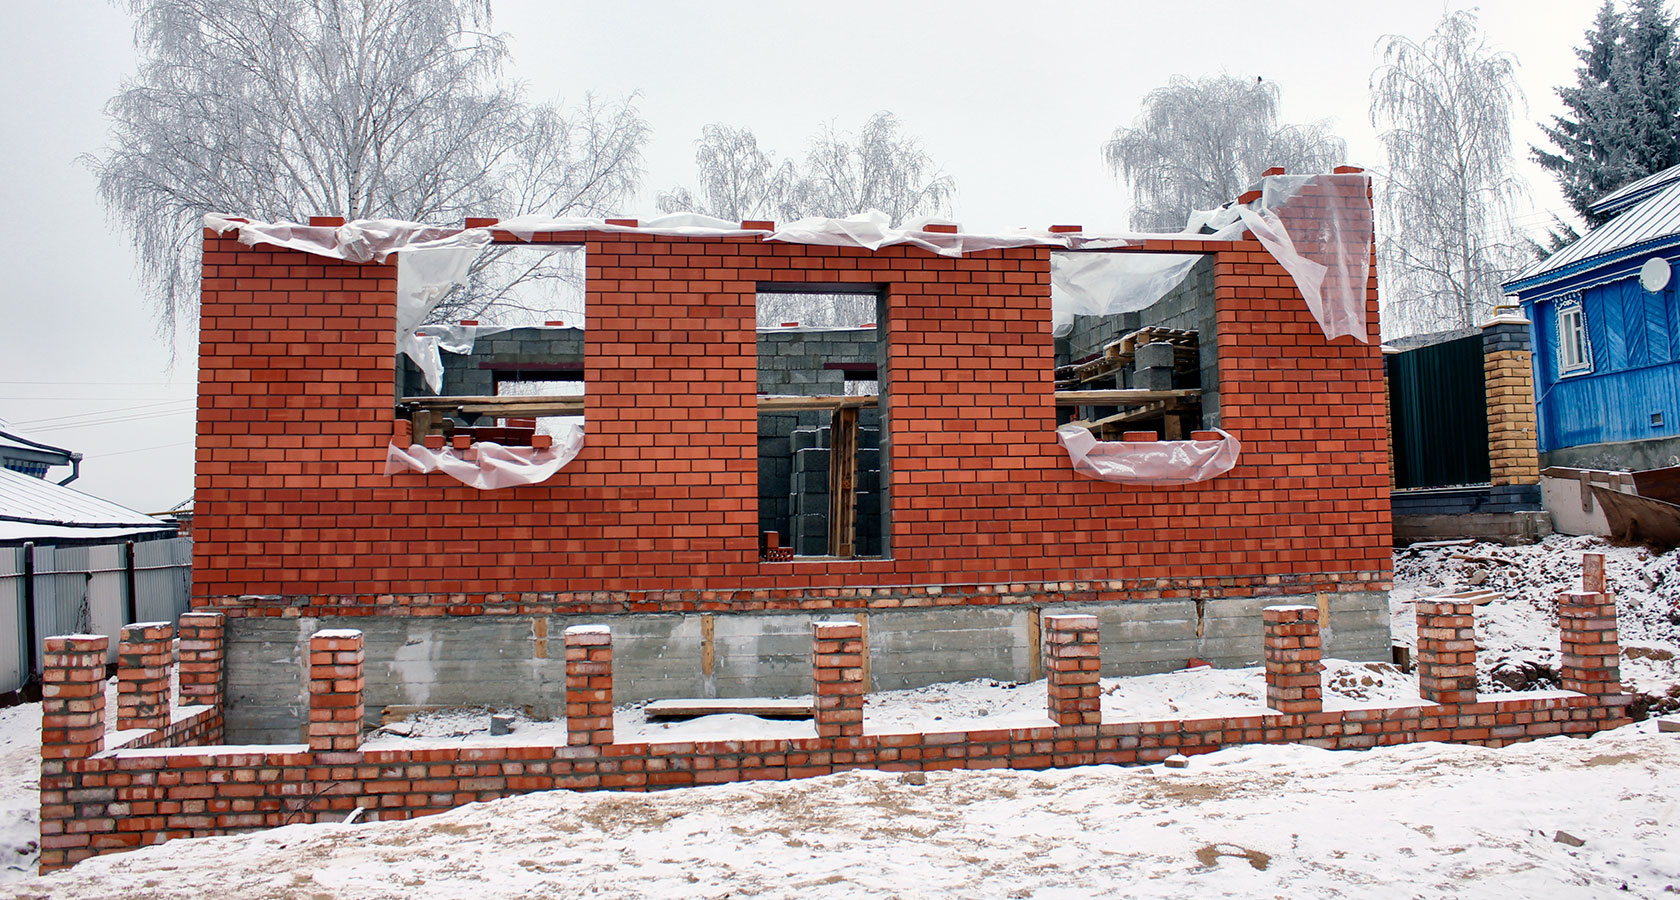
<point x="1605" y="324"/>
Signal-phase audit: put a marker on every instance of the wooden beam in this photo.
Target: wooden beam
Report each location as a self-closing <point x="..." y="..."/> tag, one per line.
<point x="784" y="403"/>
<point x="1124" y="397"/>
<point x="842" y="482"/>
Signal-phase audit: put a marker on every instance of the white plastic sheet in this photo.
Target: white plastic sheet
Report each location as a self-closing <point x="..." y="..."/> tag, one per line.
<point x="1329" y="266"/>
<point x="1148" y="462"/>
<point x="493" y="466"/>
<point x="1107" y="284"/>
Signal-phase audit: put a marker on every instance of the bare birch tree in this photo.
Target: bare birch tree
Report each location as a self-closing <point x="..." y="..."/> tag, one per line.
<point x="1200" y="142"/>
<point x="1443" y="111"/>
<point x="877" y="168"/>
<point x="280" y="109"/>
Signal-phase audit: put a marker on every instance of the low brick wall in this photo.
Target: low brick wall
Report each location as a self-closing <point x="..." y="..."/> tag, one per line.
<point x="96" y="800"/>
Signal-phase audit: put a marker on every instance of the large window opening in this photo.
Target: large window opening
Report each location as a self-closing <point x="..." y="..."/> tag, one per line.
<point x="822" y="438"/>
<point x="509" y="348"/>
<point x="1141" y="342"/>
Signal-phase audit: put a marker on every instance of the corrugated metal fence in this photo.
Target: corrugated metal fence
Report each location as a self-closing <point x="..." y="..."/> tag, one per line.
<point x="85" y="590"/>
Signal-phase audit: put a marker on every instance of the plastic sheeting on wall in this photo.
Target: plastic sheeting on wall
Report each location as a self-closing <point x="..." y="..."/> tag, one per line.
<point x="1148" y="462"/>
<point x="1107" y="284"/>
<point x="489" y="466"/>
<point x="1329" y="266"/>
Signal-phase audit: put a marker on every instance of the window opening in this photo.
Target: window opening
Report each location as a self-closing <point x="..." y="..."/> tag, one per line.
<point x="1142" y="344"/>
<point x="1574" y="346"/>
<point x="822" y="447"/>
<point x="511" y="346"/>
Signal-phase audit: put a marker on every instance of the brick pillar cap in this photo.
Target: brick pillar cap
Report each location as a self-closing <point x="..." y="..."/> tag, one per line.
<point x="835" y="623"/>
<point x="147" y="625"/>
<point x="338" y="633"/>
<point x="1505" y="319"/>
<point x="589" y="629"/>
<point x="1295" y="607"/>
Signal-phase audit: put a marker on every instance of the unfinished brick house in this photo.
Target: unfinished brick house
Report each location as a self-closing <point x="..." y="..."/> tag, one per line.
<point x="362" y="544"/>
<point x="978" y="524"/>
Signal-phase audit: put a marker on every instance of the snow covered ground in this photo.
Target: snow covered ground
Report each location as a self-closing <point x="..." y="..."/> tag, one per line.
<point x="1425" y="820"/>
<point x="1517" y="635"/>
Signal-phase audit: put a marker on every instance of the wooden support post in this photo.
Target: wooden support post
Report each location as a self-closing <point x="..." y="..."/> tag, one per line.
<point x="842" y="483"/>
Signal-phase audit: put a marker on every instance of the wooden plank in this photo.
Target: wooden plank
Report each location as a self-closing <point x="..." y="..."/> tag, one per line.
<point x="842" y="482"/>
<point x="795" y="708"/>
<point x="787" y="403"/>
<point x="1123" y="397"/>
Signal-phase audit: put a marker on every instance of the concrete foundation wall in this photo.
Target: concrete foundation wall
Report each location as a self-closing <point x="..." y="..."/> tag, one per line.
<point x="520" y="661"/>
<point x="1630" y="456"/>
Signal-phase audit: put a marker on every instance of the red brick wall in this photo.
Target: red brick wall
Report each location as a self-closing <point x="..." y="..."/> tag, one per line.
<point x="297" y="381"/>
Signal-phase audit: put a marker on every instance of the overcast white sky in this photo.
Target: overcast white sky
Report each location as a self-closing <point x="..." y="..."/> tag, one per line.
<point x="1013" y="99"/>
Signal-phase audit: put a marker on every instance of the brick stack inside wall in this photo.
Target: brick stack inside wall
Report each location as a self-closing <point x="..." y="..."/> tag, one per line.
<point x="837" y="673"/>
<point x="335" y="689"/>
<point x="1294" y="674"/>
<point x="1446" y="651"/>
<point x="1073" y="663"/>
<point x="143" y="657"/>
<point x="589" y="685"/>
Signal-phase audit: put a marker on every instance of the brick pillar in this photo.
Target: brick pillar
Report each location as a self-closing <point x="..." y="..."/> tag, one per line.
<point x="589" y="685"/>
<point x="1508" y="374"/>
<point x="1446" y="651"/>
<point x="837" y="670"/>
<point x="201" y="661"/>
<point x="1592" y="653"/>
<point x="73" y="696"/>
<point x="143" y="675"/>
<point x="1293" y="649"/>
<point x="1073" y="660"/>
<point x="335" y="689"/>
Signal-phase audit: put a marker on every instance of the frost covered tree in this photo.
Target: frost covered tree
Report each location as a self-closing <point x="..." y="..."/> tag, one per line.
<point x="1623" y="112"/>
<point x="843" y="174"/>
<point x="1198" y="143"/>
<point x="281" y="109"/>
<point x="1442" y="109"/>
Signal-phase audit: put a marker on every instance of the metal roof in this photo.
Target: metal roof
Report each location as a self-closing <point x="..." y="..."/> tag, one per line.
<point x="1630" y="194"/>
<point x="1651" y="220"/>
<point x="32" y="507"/>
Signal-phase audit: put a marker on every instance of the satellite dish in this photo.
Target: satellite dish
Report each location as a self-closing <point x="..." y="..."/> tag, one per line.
<point x="1654" y="275"/>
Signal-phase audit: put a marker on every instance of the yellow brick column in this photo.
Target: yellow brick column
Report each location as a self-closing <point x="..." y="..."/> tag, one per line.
<point x="1507" y="365"/>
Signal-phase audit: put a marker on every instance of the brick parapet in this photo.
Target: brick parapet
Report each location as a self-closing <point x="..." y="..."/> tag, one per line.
<point x="589" y="685"/>
<point x="1293" y="649"/>
<point x="1073" y="664"/>
<point x="134" y="798"/>
<point x="1446" y="651"/>
<point x="335" y="690"/>
<point x="143" y="669"/>
<point x="837" y="659"/>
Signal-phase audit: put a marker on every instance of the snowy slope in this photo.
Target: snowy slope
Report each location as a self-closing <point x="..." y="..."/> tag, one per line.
<point x="1426" y="820"/>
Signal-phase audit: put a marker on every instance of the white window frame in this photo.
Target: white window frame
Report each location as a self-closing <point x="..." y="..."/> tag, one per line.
<point x="1574" y="342"/>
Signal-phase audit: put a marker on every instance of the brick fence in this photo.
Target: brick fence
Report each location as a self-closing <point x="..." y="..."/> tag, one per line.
<point x="159" y="785"/>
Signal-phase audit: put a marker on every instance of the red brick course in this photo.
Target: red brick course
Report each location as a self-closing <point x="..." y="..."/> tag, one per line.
<point x="296" y="381"/>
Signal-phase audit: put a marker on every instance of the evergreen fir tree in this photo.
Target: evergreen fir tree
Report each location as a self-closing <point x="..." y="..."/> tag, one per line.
<point x="1623" y="119"/>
